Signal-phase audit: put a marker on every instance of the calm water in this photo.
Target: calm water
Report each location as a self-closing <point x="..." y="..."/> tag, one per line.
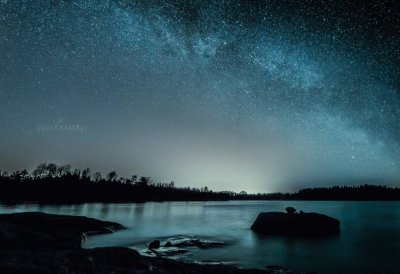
<point x="369" y="241"/>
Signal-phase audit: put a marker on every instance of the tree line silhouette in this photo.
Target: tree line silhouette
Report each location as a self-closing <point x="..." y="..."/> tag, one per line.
<point x="50" y="183"/>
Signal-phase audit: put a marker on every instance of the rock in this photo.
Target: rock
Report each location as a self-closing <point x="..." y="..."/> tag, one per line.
<point x="40" y="230"/>
<point x="292" y="224"/>
<point x="154" y="244"/>
<point x="199" y="243"/>
<point x="290" y="210"/>
<point x="168" y="251"/>
<point x="189" y="241"/>
<point x="177" y="245"/>
<point x="276" y="269"/>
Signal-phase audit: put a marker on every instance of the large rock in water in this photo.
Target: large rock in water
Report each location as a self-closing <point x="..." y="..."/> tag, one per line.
<point x="296" y="224"/>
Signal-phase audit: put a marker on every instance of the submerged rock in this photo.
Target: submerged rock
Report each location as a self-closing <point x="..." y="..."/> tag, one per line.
<point x="177" y="245"/>
<point x="167" y="251"/>
<point x="294" y="224"/>
<point x="193" y="242"/>
<point x="276" y="269"/>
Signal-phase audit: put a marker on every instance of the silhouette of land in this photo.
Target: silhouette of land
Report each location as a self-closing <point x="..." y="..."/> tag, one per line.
<point x="50" y="183"/>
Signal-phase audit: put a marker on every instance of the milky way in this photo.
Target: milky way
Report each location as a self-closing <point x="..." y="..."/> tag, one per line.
<point x="241" y="95"/>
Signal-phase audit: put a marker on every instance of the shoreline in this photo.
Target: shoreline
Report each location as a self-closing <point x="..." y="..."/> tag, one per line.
<point x="35" y="242"/>
<point x="45" y="203"/>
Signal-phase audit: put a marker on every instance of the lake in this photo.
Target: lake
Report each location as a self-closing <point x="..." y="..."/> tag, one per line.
<point x="369" y="241"/>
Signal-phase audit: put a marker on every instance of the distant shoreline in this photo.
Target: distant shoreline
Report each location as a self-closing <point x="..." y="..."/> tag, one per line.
<point x="10" y="203"/>
<point x="52" y="184"/>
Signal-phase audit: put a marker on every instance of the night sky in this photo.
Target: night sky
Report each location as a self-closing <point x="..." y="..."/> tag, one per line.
<point x="234" y="95"/>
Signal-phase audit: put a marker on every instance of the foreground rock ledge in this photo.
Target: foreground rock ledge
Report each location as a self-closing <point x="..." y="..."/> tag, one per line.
<point x="45" y="243"/>
<point x="296" y="224"/>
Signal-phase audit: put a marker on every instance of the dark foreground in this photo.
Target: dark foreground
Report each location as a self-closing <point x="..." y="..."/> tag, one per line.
<point x="45" y="243"/>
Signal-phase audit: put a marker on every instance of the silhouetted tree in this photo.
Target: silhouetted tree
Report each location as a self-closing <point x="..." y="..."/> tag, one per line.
<point x="19" y="175"/>
<point x="52" y="170"/>
<point x="77" y="172"/>
<point x="112" y="176"/>
<point x="97" y="176"/>
<point x="144" y="181"/>
<point x="40" y="171"/>
<point x="86" y="173"/>
<point x="64" y="170"/>
<point x="24" y="174"/>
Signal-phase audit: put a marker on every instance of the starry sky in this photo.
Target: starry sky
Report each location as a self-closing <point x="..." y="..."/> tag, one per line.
<point x="231" y="94"/>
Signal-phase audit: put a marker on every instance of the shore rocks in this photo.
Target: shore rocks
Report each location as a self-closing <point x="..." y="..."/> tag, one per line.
<point x="295" y="224"/>
<point x="187" y="241"/>
<point x="46" y="243"/>
<point x="39" y="230"/>
<point x="177" y="245"/>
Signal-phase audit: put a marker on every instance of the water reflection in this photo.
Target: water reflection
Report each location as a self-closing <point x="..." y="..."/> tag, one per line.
<point x="369" y="241"/>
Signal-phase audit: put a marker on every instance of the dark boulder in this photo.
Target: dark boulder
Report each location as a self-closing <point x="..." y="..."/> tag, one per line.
<point x="290" y="210"/>
<point x="293" y="224"/>
<point x="154" y="244"/>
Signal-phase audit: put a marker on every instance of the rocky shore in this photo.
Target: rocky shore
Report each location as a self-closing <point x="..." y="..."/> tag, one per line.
<point x="45" y="243"/>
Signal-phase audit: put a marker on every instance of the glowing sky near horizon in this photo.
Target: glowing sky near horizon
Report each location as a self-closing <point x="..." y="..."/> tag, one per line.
<point x="240" y="95"/>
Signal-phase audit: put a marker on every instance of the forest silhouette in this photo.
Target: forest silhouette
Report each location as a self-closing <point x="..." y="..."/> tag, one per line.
<point x="50" y="183"/>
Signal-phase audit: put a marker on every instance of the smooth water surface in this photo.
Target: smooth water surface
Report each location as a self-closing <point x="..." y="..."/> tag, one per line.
<point x="369" y="241"/>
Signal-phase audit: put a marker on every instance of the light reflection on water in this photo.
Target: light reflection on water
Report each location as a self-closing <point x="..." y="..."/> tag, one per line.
<point x="369" y="241"/>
